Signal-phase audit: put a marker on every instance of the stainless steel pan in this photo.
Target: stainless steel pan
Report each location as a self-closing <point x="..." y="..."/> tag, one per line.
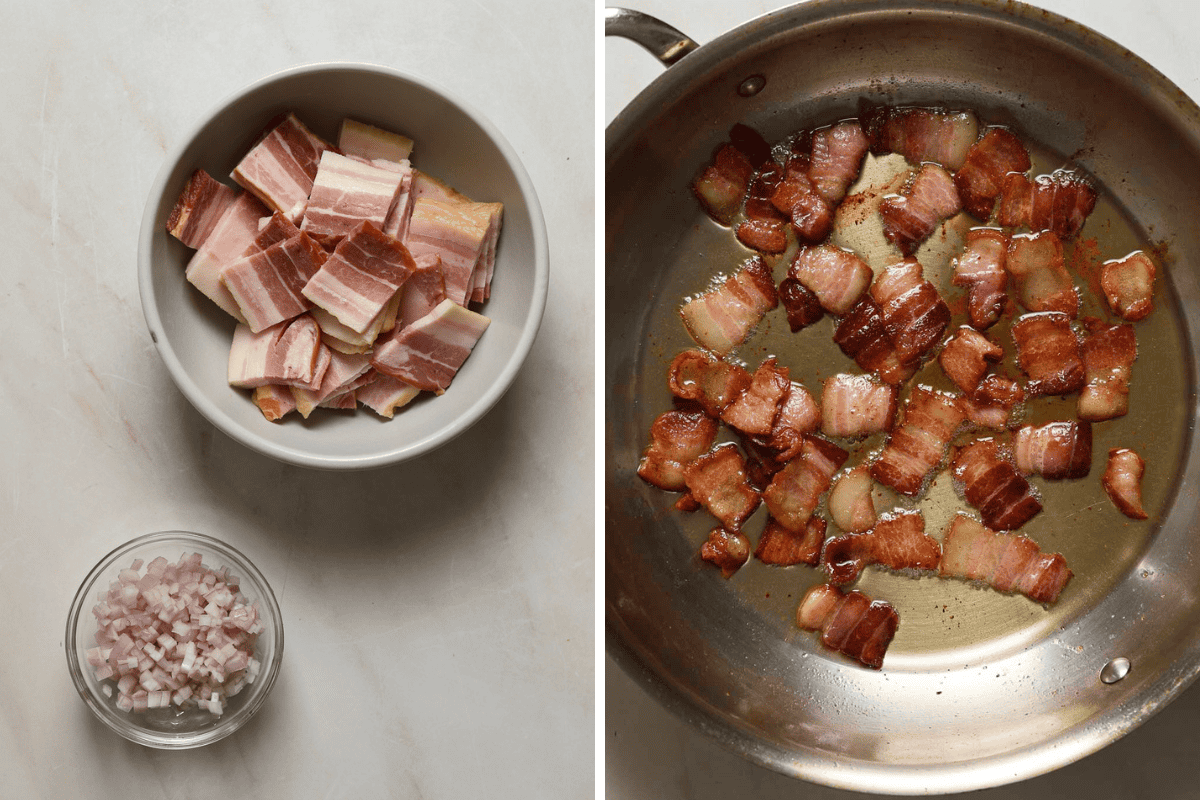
<point x="978" y="689"/>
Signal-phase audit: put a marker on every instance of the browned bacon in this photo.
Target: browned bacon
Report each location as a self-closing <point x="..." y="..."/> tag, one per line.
<point x="898" y="541"/>
<point x="914" y="314"/>
<point x="751" y="143"/>
<point x="726" y="549"/>
<point x="722" y="318"/>
<point x="837" y="277"/>
<point x="918" y="444"/>
<point x="991" y="484"/>
<point x="1007" y="562"/>
<point x="798" y="415"/>
<point x="850" y="503"/>
<point x="797" y="197"/>
<point x="1122" y="481"/>
<point x="850" y="623"/>
<point x="1056" y="450"/>
<point x="755" y="409"/>
<point x="200" y="206"/>
<point x="711" y="382"/>
<point x="1128" y="285"/>
<point x="802" y="306"/>
<point x="781" y="547"/>
<point x="1108" y="355"/>
<point x="855" y="405"/>
<point x="764" y="229"/>
<point x="722" y="184"/>
<point x="717" y="480"/>
<point x="926" y="201"/>
<point x="980" y="268"/>
<point x="1016" y="201"/>
<point x="862" y="336"/>
<point x="1048" y="353"/>
<point x="795" y="490"/>
<point x="1058" y="202"/>
<point x="837" y="156"/>
<point x="981" y="178"/>
<point x="992" y="404"/>
<point x="922" y="134"/>
<point x="1043" y="284"/>
<point x="966" y="356"/>
<point x="676" y="439"/>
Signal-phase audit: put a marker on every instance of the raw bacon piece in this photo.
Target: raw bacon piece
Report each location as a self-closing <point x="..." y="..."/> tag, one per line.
<point x="927" y="200"/>
<point x="991" y="484"/>
<point x="396" y="224"/>
<point x="423" y="290"/>
<point x="384" y="394"/>
<point x="837" y="156"/>
<point x="366" y="270"/>
<point x="981" y="268"/>
<point x="837" y="277"/>
<point x="914" y="314"/>
<point x="711" y="382"/>
<point x="862" y="335"/>
<point x="274" y="401"/>
<point x="798" y="416"/>
<point x="755" y="409"/>
<point x="429" y="353"/>
<point x="268" y="285"/>
<point x="1122" y="481"/>
<point x="1056" y="450"/>
<point x="796" y="196"/>
<point x="1058" y="202"/>
<point x="235" y="231"/>
<point x="481" y="288"/>
<point x="342" y="373"/>
<point x="781" y="547"/>
<point x="283" y="354"/>
<point x="981" y="179"/>
<point x="850" y="623"/>
<point x="271" y="230"/>
<point x="966" y="356"/>
<point x="1007" y="562"/>
<point x="717" y="480"/>
<point x="199" y="208"/>
<point x="850" y="502"/>
<point x="1128" y="285"/>
<point x="993" y="402"/>
<point x="346" y="193"/>
<point x="366" y="141"/>
<point x="676" y="439"/>
<point x="898" y="542"/>
<point x="722" y="184"/>
<point x="721" y="319"/>
<point x="346" y="340"/>
<point x="795" y="490"/>
<point x="931" y="420"/>
<point x="727" y="550"/>
<point x="280" y="169"/>
<point x="922" y="134"/>
<point x="1048" y="353"/>
<point x="457" y="232"/>
<point x="1108" y="354"/>
<point x="855" y="405"/>
<point x="1043" y="284"/>
<point x="802" y="306"/>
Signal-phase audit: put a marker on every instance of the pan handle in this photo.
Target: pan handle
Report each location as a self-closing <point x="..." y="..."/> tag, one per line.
<point x="663" y="42"/>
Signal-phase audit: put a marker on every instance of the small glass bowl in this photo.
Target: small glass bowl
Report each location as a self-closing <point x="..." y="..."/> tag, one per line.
<point x="172" y="728"/>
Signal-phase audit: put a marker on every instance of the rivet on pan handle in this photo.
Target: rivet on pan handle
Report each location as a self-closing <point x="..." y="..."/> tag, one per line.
<point x="664" y="42"/>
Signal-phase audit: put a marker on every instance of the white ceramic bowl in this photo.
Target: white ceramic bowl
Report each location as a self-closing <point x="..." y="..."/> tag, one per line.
<point x="454" y="143"/>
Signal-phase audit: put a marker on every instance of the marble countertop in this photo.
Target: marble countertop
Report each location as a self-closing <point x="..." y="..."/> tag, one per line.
<point x="439" y="614"/>
<point x="651" y="753"/>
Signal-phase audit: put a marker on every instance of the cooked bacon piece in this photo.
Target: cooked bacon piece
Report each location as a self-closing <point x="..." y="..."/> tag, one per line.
<point x="717" y="480"/>
<point x="1122" y="481"/>
<point x="384" y="394"/>
<point x="274" y="401"/>
<point x="850" y="502"/>
<point x="898" y="541"/>
<point x="268" y="285"/>
<point x="280" y="169"/>
<point x="991" y="484"/>
<point x="796" y="196"/>
<point x="754" y="410"/>
<point x="676" y="439"/>
<point x="1016" y="201"/>
<point x="914" y="314"/>
<point x="1128" y="285"/>
<point x="855" y="405"/>
<point x="1007" y="562"/>
<point x="992" y="404"/>
<point x="850" y="623"/>
<point x="918" y="444"/>
<point x="430" y="352"/>
<point x="980" y="268"/>
<point x="199" y="208"/>
<point x="283" y="354"/>
<point x="981" y="179"/>
<point x="927" y="200"/>
<point x="802" y="306"/>
<point x="782" y="548"/>
<point x="342" y="374"/>
<point x="423" y="290"/>
<point x="234" y="232"/>
<point x="711" y="382"/>
<point x="365" y="271"/>
<point x="1108" y="355"/>
<point x="722" y="184"/>
<point x="457" y="232"/>
<point x="1048" y="353"/>
<point x="764" y="230"/>
<point x="1056" y="450"/>
<point x="966" y="357"/>
<point x="721" y="318"/>
<point x="922" y="134"/>
<point x="798" y="416"/>
<point x="837" y="277"/>
<point x="727" y="550"/>
<point x="1043" y="284"/>
<point x="795" y="490"/>
<point x="1058" y="202"/>
<point x="366" y="141"/>
<point x="837" y="156"/>
<point x="347" y="192"/>
<point x="862" y="335"/>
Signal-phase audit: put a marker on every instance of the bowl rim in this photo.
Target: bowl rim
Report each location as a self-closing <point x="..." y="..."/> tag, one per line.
<point x="255" y="441"/>
<point x="236" y="561"/>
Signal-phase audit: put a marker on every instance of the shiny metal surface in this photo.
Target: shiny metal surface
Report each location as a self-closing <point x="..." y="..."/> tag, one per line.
<point x="978" y="689"/>
<point x="661" y="40"/>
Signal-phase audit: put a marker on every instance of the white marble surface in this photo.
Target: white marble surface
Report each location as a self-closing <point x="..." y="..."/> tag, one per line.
<point x="648" y="751"/>
<point x="439" y="614"/>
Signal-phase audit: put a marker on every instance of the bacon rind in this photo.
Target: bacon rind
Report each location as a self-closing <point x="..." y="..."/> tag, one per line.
<point x="927" y="199"/>
<point x="701" y="377"/>
<point x="898" y="541"/>
<point x="991" y="484"/>
<point x="1128" y="286"/>
<point x="1038" y="268"/>
<point x="980" y="180"/>
<point x="855" y="405"/>
<point x="1122" y="481"/>
<point x="717" y="480"/>
<point x="1048" y="353"/>
<point x="1007" y="562"/>
<point x="918" y="444"/>
<point x="1055" y="450"/>
<point x="721" y="319"/>
<point x="850" y="623"/>
<point x="781" y="547"/>
<point x="676" y="439"/>
<point x="980" y="268"/>
<point x="1108" y="353"/>
<point x="728" y="550"/>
